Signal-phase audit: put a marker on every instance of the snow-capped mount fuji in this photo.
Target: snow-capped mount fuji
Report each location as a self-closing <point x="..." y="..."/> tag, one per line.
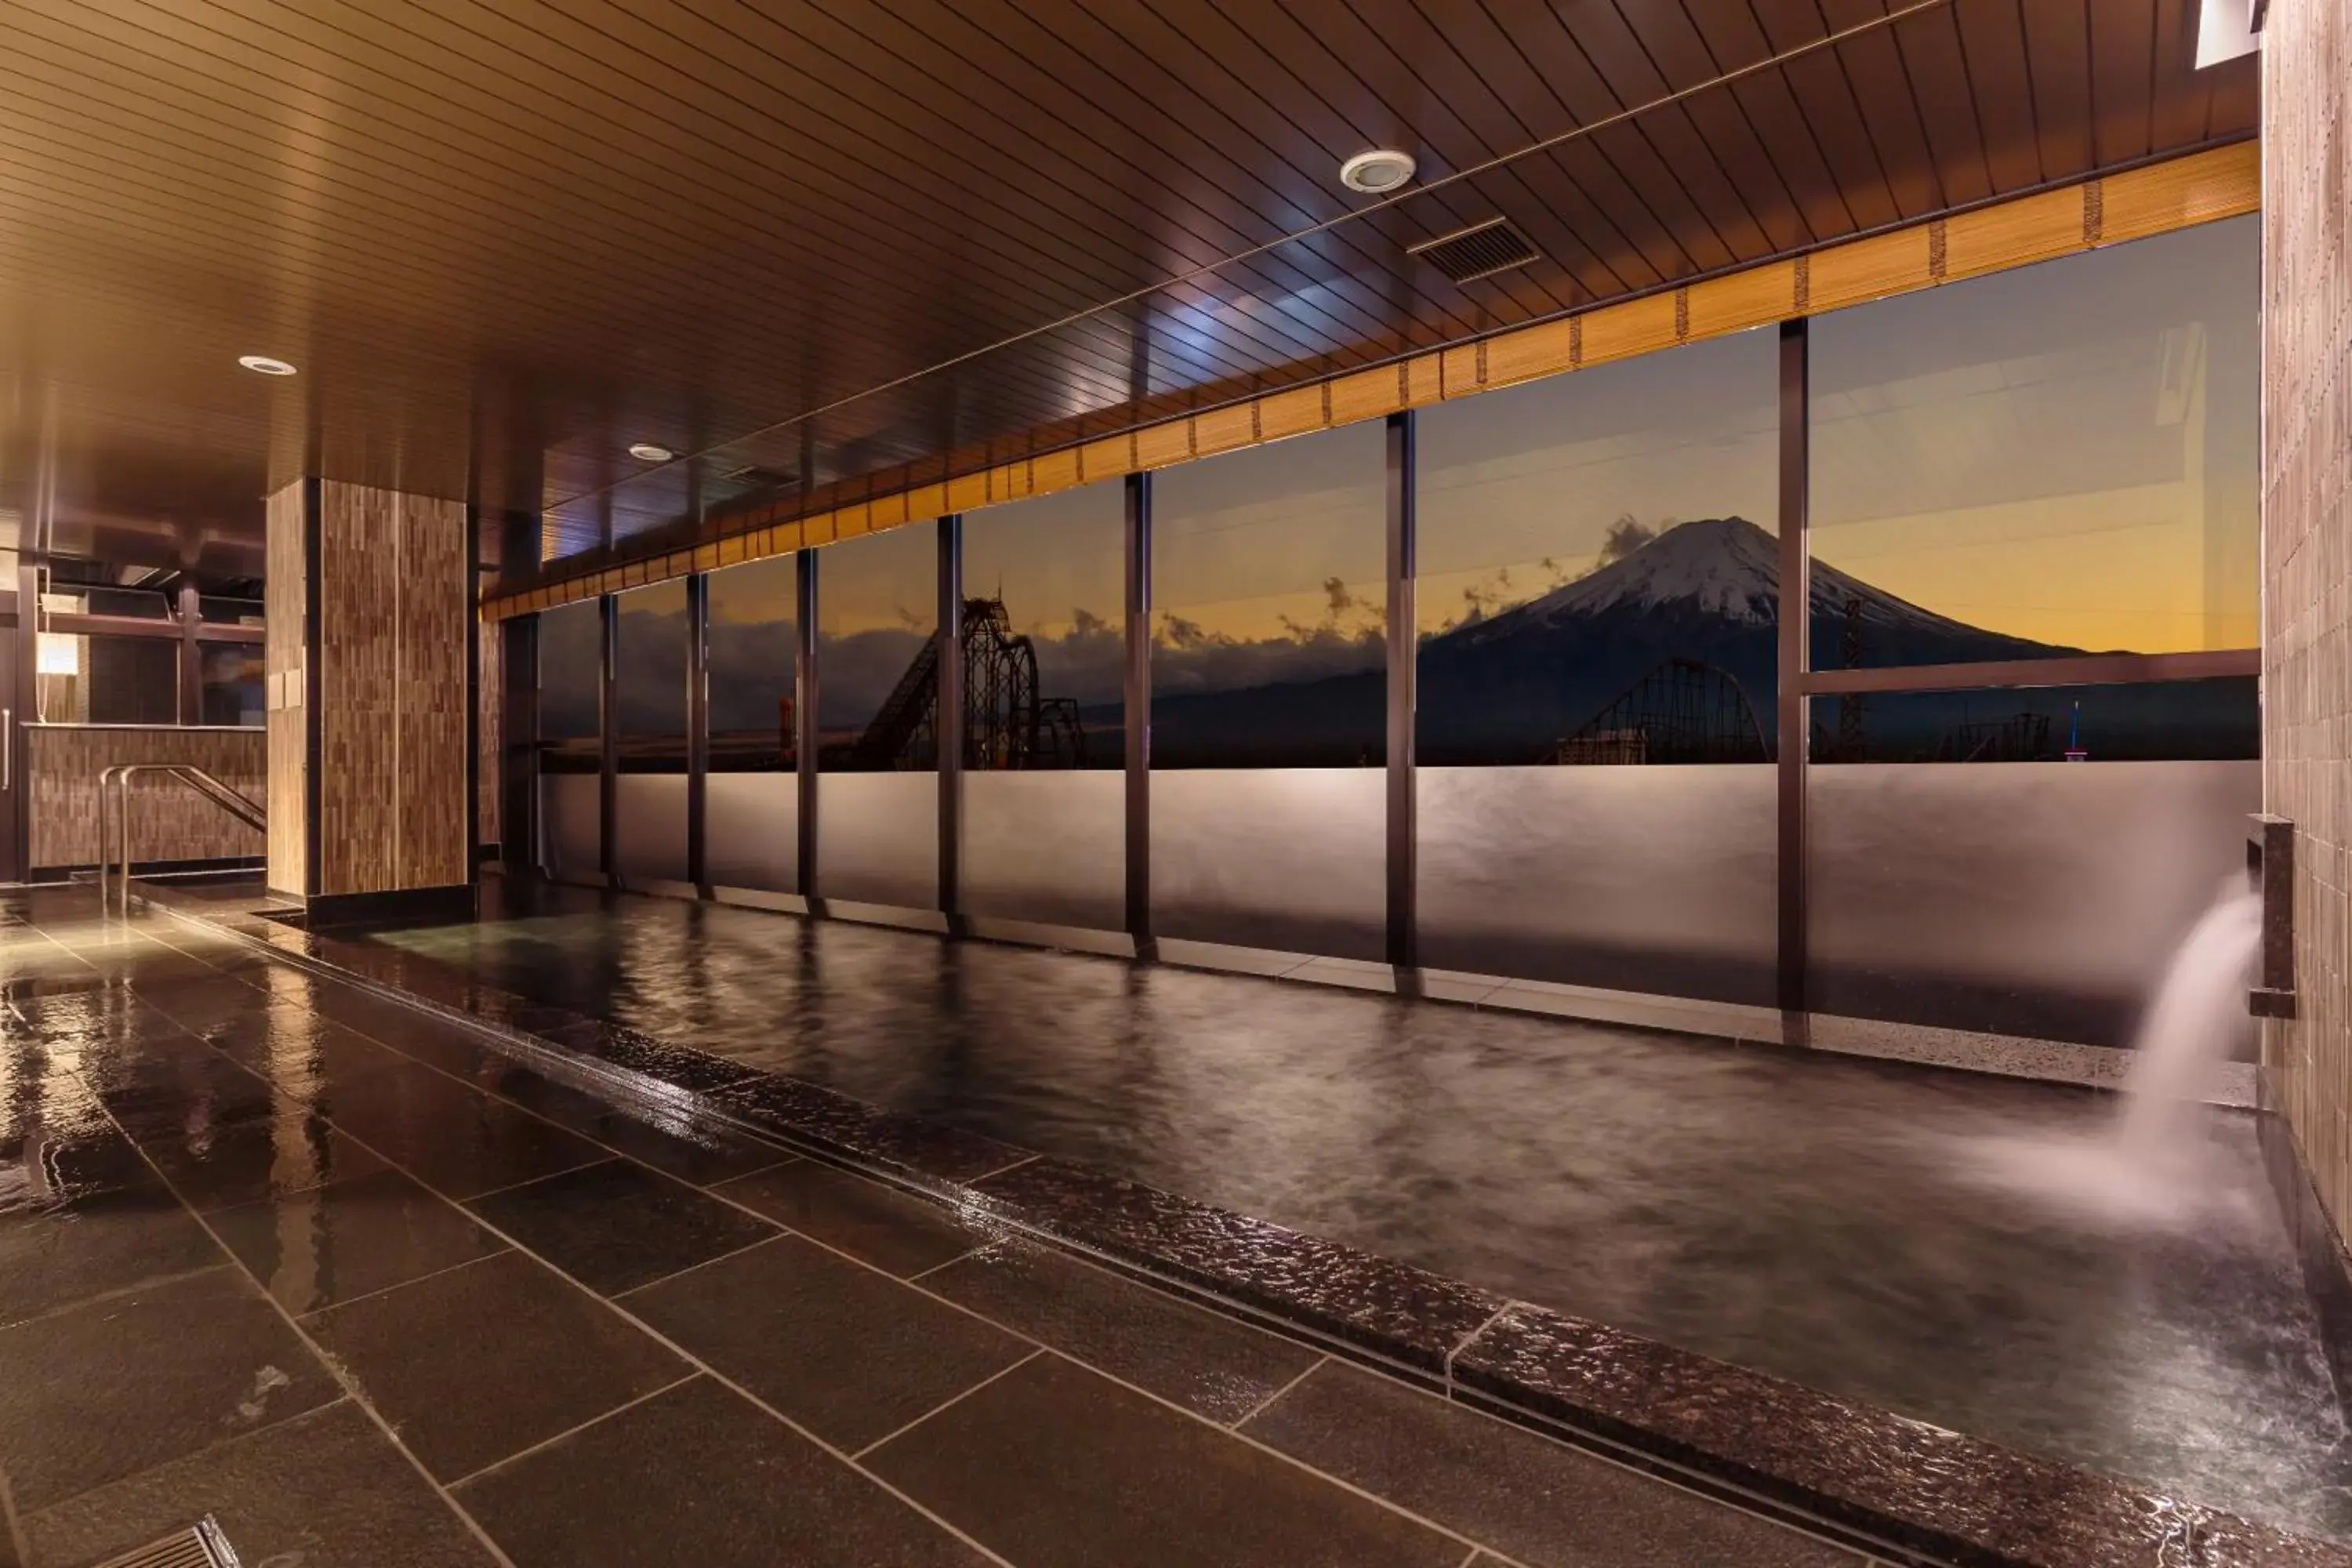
<point x="1508" y="687"/>
<point x="1728" y="570"/>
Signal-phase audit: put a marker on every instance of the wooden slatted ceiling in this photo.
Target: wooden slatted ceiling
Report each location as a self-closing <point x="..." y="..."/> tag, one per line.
<point x="505" y="239"/>
<point x="2151" y="199"/>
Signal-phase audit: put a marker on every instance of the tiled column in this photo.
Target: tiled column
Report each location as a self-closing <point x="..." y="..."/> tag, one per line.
<point x="371" y="766"/>
<point x="2307" y="561"/>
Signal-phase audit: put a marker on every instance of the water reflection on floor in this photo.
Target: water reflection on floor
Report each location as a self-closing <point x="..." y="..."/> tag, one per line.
<point x="1827" y="1219"/>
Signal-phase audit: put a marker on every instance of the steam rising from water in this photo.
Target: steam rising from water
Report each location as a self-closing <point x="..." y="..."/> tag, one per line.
<point x="2146" y="1169"/>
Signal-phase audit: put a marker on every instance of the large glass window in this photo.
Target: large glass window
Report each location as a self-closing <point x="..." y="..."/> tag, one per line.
<point x="751" y="807"/>
<point x="1269" y="696"/>
<point x="105" y="680"/>
<point x="2061" y="458"/>
<point x="650" y="666"/>
<point x="2057" y="460"/>
<point x="1045" y="659"/>
<point x="1044" y="809"/>
<point x="1598" y="597"/>
<point x="571" y="727"/>
<point x="878" y="682"/>
<point x="878" y="664"/>
<point x="1270" y="605"/>
<point x="234" y="690"/>
<point x="1598" y="570"/>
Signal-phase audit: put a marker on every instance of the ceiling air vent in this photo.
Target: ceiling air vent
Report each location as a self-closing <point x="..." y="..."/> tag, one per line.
<point x="1479" y="251"/>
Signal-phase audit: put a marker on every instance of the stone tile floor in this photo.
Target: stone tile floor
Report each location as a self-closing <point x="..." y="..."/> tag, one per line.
<point x="340" y="1274"/>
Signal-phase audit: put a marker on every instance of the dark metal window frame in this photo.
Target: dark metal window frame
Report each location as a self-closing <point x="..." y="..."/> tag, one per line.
<point x="1799" y="684"/>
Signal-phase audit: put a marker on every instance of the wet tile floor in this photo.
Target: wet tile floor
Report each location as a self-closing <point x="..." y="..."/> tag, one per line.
<point x="334" y="1271"/>
<point x="1847" y="1224"/>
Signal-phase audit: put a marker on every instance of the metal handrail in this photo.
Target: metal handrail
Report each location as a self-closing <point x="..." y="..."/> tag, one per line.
<point x="114" y="825"/>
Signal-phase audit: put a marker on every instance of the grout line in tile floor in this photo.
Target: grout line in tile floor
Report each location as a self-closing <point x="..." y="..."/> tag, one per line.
<point x="321" y="1312"/>
<point x="614" y="1155"/>
<point x="116" y="1294"/>
<point x="1052" y="1245"/>
<point x="596" y="1420"/>
<point x="333" y="1368"/>
<point x="1255" y="1411"/>
<point x="951" y="1263"/>
<point x="1472" y="1337"/>
<point x="1046" y="1243"/>
<point x="776" y="1233"/>
<point x="650" y="1333"/>
<point x="613" y="1304"/>
<point x="16" y="1542"/>
<point x="951" y="1400"/>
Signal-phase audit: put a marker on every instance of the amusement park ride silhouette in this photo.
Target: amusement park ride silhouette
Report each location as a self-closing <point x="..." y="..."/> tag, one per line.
<point x="1007" y="722"/>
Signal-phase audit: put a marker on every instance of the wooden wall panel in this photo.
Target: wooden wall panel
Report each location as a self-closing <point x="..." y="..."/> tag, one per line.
<point x="488" y="686"/>
<point x="391" y="700"/>
<point x="283" y="613"/>
<point x="2199" y="188"/>
<point x="432" y="625"/>
<point x="168" y="821"/>
<point x="2307" y="562"/>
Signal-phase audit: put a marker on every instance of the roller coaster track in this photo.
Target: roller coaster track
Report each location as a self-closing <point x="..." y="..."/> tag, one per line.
<point x="1007" y="724"/>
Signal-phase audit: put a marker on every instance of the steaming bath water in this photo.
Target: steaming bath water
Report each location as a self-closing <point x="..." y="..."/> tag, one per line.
<point x="1858" y="1226"/>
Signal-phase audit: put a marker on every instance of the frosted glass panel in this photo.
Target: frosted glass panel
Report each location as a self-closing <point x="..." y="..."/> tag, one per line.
<point x="878" y="838"/>
<point x="2019" y="897"/>
<point x="1635" y="878"/>
<point x="569" y="833"/>
<point x="751" y="828"/>
<point x="649" y="826"/>
<point x="1048" y="846"/>
<point x="1291" y="858"/>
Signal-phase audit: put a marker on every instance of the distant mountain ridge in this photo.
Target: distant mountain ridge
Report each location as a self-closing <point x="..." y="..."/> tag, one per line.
<point x="1506" y="687"/>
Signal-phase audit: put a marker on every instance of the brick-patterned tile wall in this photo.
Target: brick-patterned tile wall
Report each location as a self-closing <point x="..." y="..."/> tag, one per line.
<point x="2307" y="558"/>
<point x="283" y="610"/>
<point x="487" y="731"/>
<point x="394" y="620"/>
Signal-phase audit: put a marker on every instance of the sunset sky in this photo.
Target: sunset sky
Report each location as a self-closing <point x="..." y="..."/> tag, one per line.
<point x="2066" y="453"/>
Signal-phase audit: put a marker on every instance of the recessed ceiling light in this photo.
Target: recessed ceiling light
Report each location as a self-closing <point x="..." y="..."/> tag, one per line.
<point x="264" y="365"/>
<point x="1375" y="172"/>
<point x="648" y="452"/>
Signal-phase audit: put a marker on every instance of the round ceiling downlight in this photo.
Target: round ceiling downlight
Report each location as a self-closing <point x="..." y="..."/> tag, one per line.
<point x="649" y="452"/>
<point x="1377" y="173"/>
<point x="262" y="364"/>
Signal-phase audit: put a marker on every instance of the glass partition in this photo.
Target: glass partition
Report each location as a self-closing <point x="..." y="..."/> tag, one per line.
<point x="234" y="690"/>
<point x="651" y="664"/>
<point x="2057" y="460"/>
<point x="571" y="731"/>
<point x="1597" y="605"/>
<point x="1044" y="675"/>
<point x="1269" y="696"/>
<point x="104" y="679"/>
<point x="2061" y="458"/>
<point x="752" y="792"/>
<point x="878" y="686"/>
